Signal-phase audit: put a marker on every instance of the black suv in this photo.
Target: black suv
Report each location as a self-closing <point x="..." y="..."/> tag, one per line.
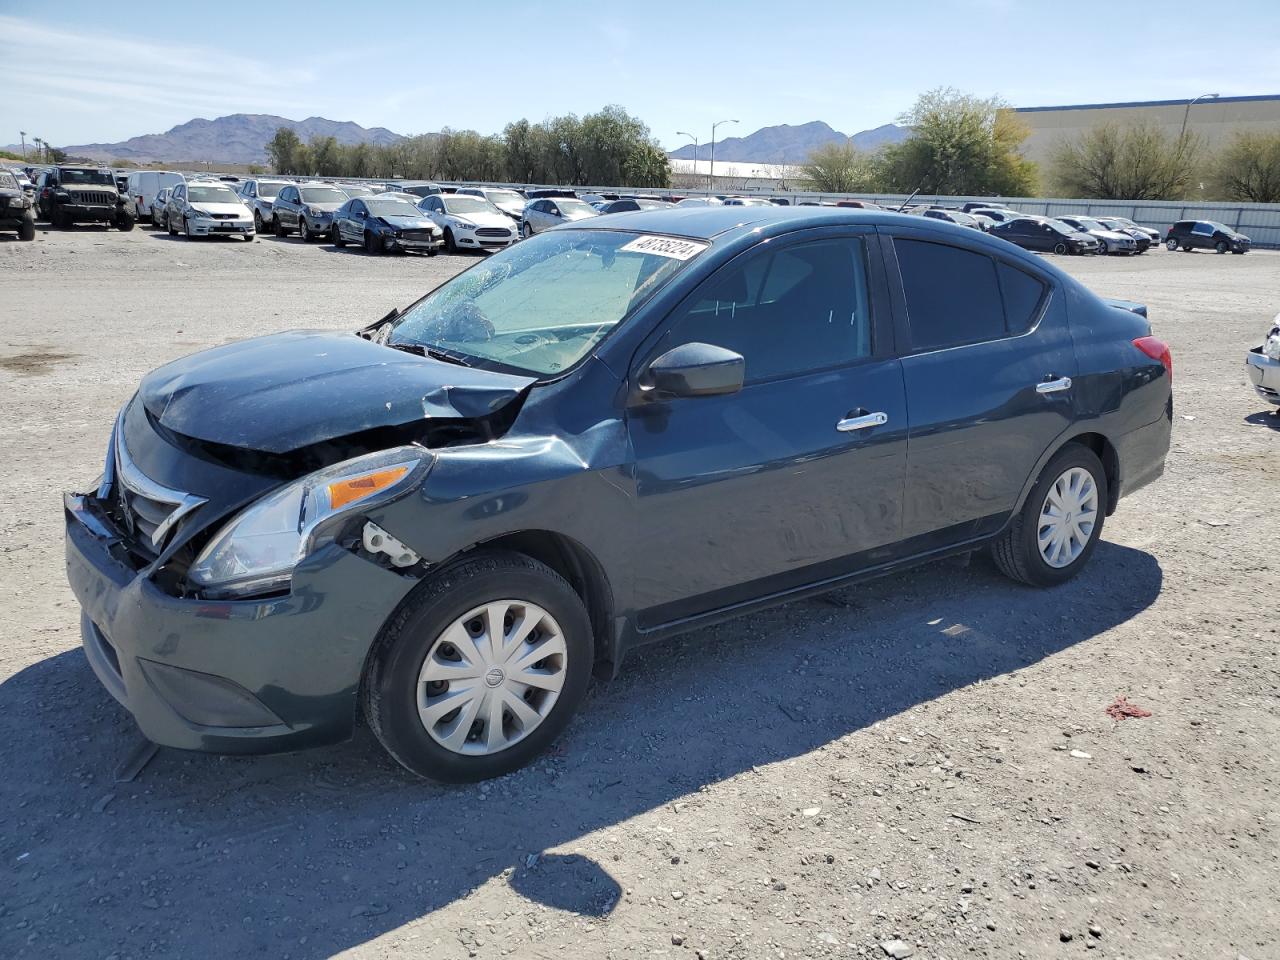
<point x="614" y="431"/>
<point x="1205" y="235"/>
<point x="67" y="195"/>
<point x="15" y="207"/>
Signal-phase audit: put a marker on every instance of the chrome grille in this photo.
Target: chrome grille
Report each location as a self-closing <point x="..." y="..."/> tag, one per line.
<point x="224" y="216"/>
<point x="417" y="234"/>
<point x="493" y="232"/>
<point x="93" y="196"/>
<point x="149" y="510"/>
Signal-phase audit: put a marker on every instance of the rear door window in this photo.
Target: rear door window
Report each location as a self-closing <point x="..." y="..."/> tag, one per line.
<point x="1022" y="294"/>
<point x="953" y="295"/>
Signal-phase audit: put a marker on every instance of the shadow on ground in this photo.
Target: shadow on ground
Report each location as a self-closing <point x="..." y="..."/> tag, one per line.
<point x="310" y="854"/>
<point x="1265" y="418"/>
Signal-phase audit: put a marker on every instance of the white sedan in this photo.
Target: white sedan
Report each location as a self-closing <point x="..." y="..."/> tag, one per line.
<point x="207" y="208"/>
<point x="469" y="223"/>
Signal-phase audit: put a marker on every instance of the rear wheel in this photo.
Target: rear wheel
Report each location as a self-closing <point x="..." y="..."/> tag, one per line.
<point x="1055" y="533"/>
<point x="168" y="225"/>
<point x="480" y="668"/>
<point x="278" y="228"/>
<point x="1171" y="245"/>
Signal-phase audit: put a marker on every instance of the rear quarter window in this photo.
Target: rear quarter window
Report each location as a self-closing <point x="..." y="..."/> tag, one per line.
<point x="953" y="295"/>
<point x="1022" y="295"/>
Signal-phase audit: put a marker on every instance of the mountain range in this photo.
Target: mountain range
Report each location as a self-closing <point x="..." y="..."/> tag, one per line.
<point x="238" y="138"/>
<point x="789" y="144"/>
<point x="242" y="137"/>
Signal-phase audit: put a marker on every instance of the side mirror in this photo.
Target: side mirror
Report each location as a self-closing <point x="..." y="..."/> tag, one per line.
<point x="694" y="370"/>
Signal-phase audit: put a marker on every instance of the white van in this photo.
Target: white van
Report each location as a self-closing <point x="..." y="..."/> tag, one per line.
<point x="143" y="187"/>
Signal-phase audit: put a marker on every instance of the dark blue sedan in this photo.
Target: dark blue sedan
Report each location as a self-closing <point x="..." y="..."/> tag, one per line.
<point x="617" y="430"/>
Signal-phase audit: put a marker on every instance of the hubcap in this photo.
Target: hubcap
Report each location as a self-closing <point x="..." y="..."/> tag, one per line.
<point x="1067" y="517"/>
<point x="491" y="677"/>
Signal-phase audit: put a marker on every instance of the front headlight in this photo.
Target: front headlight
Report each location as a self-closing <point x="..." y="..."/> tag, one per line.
<point x="17" y="201"/>
<point x="464" y="224"/>
<point x="257" y="549"/>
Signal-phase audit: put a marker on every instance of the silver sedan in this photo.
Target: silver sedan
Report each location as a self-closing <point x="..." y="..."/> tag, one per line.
<point x="548" y="212"/>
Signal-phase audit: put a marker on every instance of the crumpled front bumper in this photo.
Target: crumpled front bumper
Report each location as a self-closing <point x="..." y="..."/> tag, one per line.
<point x="1264" y="373"/>
<point x="245" y="676"/>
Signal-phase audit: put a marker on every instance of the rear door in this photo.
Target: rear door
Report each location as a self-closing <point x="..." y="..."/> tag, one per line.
<point x="988" y="363"/>
<point x="799" y="476"/>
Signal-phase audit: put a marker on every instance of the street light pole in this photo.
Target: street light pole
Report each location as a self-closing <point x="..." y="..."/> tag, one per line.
<point x="1187" y="112"/>
<point x="681" y="133"/>
<point x="711" y="181"/>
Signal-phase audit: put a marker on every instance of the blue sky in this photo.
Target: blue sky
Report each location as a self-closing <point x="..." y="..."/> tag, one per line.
<point x="78" y="72"/>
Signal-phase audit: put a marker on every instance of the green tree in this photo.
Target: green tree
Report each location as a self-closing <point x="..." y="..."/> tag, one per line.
<point x="960" y="145"/>
<point x="1248" y="169"/>
<point x="839" y="167"/>
<point x="646" y="166"/>
<point x="324" y="156"/>
<point x="1136" y="161"/>
<point x="285" y="151"/>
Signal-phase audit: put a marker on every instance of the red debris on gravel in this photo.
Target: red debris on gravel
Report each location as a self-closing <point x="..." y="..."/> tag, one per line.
<point x="1122" y="709"/>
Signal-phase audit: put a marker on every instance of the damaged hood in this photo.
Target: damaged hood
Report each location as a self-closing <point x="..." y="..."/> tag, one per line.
<point x="279" y="393"/>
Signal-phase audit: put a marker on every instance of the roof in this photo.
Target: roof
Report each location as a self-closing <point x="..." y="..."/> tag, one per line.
<point x="706" y="223"/>
<point x="1150" y="103"/>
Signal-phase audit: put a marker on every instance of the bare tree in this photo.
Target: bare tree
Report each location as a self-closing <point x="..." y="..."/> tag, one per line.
<point x="1248" y="169"/>
<point x="1138" y="161"/>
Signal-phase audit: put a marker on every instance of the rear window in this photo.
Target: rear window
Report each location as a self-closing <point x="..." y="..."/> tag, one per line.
<point x="953" y="295"/>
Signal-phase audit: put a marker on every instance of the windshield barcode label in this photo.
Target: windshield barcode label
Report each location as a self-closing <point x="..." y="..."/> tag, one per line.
<point x="665" y="247"/>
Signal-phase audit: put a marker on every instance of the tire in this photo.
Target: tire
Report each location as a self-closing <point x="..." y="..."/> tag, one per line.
<point x="335" y="237"/>
<point x="27" y="229"/>
<point x="1186" y="248"/>
<point x="258" y="225"/>
<point x="1059" y="248"/>
<point x="168" y="225"/>
<point x="124" y="221"/>
<point x="371" y="245"/>
<point x="393" y="680"/>
<point x="432" y="253"/>
<point x="1017" y="551"/>
<point x="1102" y="248"/>
<point x="526" y="230"/>
<point x="250" y="237"/>
<point x="1221" y="246"/>
<point x="278" y="228"/>
<point x="186" y="228"/>
<point x="1171" y="245"/>
<point x="449" y="244"/>
<point x="304" y="231"/>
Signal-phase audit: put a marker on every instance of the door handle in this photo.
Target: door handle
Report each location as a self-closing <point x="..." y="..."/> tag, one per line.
<point x="1054" y="386"/>
<point x="849" y="424"/>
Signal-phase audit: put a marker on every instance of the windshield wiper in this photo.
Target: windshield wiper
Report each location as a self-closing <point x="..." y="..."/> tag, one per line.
<point x="435" y="353"/>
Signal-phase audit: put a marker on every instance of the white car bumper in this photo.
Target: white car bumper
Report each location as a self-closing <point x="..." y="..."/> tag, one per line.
<point x="1265" y="374"/>
<point x="480" y="240"/>
<point x="239" y="227"/>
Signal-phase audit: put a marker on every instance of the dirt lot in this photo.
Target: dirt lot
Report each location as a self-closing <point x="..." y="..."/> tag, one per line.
<point x="926" y="758"/>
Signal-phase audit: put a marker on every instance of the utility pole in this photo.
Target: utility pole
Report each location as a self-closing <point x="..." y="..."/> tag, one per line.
<point x="681" y="133"/>
<point x="1187" y="112"/>
<point x="711" y="182"/>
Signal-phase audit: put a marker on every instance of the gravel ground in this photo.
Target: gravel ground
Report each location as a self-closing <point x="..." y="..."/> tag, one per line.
<point x="924" y="759"/>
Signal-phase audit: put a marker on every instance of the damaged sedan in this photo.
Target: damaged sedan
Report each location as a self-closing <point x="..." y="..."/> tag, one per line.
<point x="615" y="431"/>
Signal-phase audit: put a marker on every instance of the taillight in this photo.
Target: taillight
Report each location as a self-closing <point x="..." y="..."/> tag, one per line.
<point x="1156" y="350"/>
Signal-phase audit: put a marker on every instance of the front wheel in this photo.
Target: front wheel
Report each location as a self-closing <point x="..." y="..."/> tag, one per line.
<point x="1054" y="534"/>
<point x="527" y="230"/>
<point x="1102" y="248"/>
<point x="304" y="231"/>
<point x="186" y="229"/>
<point x="124" y="221"/>
<point x="1059" y="248"/>
<point x="479" y="669"/>
<point x="371" y="243"/>
<point x="258" y="225"/>
<point x="1221" y="246"/>
<point x="27" y="229"/>
<point x="335" y="237"/>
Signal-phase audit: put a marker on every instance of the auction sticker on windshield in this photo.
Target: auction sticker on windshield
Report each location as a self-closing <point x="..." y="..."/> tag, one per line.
<point x="665" y="247"/>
